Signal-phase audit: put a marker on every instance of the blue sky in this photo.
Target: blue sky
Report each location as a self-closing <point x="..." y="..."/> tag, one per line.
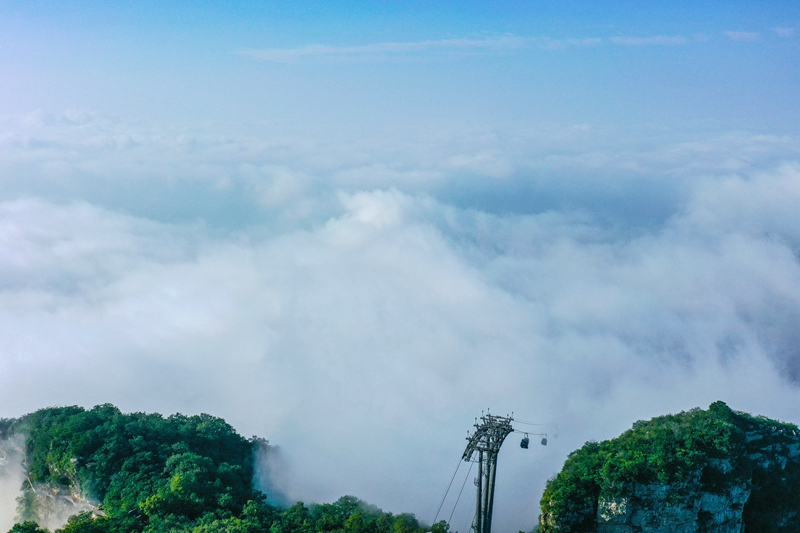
<point x="349" y="228"/>
<point x="662" y="63"/>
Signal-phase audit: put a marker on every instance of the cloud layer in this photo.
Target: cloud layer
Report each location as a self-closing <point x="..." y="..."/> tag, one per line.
<point x="359" y="301"/>
<point x="492" y="44"/>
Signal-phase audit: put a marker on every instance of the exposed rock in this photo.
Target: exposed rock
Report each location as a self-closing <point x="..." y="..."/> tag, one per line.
<point x="663" y="508"/>
<point x="51" y="505"/>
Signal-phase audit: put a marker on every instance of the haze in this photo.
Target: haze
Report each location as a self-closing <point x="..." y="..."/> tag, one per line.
<point x="349" y="229"/>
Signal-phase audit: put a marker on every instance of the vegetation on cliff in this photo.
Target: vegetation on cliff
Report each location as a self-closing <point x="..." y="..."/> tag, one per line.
<point x="153" y="474"/>
<point x="688" y="454"/>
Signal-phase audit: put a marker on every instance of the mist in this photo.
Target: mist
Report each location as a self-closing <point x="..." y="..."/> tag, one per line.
<point x="12" y="475"/>
<point x="359" y="302"/>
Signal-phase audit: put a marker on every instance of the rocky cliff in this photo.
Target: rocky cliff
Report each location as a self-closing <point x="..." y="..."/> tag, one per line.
<point x="716" y="471"/>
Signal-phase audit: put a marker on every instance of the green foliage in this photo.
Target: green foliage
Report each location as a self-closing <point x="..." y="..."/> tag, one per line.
<point x="682" y="450"/>
<point x="571" y="498"/>
<point x="441" y="527"/>
<point x="148" y="472"/>
<point x="179" y="474"/>
<point x="84" y="523"/>
<point x="28" y="526"/>
<point x="346" y="515"/>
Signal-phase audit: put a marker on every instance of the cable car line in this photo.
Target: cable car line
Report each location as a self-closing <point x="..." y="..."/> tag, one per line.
<point x="459" y="493"/>
<point x="448" y="491"/>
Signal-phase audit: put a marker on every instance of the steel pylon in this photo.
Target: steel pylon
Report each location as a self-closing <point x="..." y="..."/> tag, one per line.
<point x="482" y="447"/>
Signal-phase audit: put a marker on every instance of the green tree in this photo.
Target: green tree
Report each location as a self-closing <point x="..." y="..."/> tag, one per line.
<point x="29" y="526"/>
<point x="440" y="527"/>
<point x="85" y="523"/>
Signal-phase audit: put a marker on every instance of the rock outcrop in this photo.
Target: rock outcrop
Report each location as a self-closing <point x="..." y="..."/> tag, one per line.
<point x="714" y="471"/>
<point x="50" y="505"/>
<point x="666" y="508"/>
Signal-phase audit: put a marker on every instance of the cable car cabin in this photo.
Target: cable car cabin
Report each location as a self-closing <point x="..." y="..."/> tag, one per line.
<point x="544" y="441"/>
<point x="524" y="443"/>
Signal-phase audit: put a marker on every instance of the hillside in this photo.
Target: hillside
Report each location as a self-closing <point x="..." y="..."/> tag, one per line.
<point x="112" y="473"/>
<point x="716" y="470"/>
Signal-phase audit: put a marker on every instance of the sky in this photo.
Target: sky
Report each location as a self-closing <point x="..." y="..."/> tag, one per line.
<point x="352" y="228"/>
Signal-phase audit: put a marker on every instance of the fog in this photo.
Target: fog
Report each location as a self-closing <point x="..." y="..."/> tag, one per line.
<point x="11" y="477"/>
<point x="359" y="301"/>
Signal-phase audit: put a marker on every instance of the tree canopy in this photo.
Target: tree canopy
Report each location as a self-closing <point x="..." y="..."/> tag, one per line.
<point x="707" y="450"/>
<point x="153" y="474"/>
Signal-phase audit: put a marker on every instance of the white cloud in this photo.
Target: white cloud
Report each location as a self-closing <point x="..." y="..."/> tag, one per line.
<point x="385" y="290"/>
<point x="361" y="335"/>
<point x="549" y="43"/>
<point x="296" y="180"/>
<point x="762" y="205"/>
<point x="288" y="55"/>
<point x="660" y="40"/>
<point x="387" y="50"/>
<point x="446" y="46"/>
<point x="745" y="36"/>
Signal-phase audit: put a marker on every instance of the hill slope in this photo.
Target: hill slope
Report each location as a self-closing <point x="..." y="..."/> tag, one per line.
<point x="717" y="470"/>
<point x="115" y="473"/>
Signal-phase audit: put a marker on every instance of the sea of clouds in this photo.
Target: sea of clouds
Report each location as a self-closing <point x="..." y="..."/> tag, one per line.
<point x="359" y="300"/>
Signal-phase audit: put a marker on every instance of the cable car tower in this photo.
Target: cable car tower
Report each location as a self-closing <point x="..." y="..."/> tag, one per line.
<point x="485" y="442"/>
<point x="482" y="448"/>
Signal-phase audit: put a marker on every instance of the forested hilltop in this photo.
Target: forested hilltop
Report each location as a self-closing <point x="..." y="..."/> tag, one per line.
<point x="714" y="470"/>
<point x="124" y="473"/>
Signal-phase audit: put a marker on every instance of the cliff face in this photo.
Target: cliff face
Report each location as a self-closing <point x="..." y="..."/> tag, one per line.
<point x="715" y="471"/>
<point x="667" y="508"/>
